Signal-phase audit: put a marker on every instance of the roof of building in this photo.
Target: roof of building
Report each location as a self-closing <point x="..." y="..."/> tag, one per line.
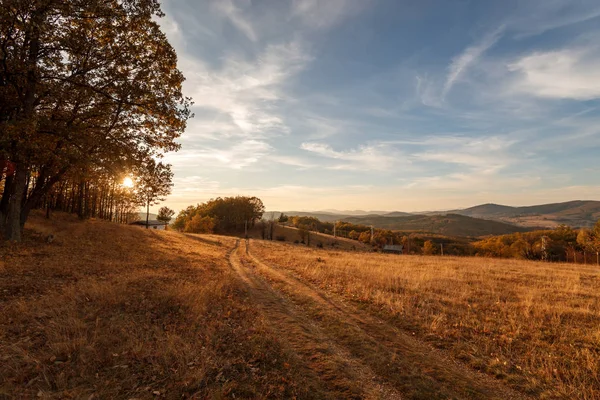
<point x="393" y="247"/>
<point x="150" y="222"/>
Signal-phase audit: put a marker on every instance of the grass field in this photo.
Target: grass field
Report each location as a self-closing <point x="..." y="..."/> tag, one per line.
<point x="533" y="325"/>
<point x="111" y="311"/>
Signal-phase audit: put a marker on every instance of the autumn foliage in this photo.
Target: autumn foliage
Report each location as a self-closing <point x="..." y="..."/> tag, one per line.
<point x="223" y="214"/>
<point x="90" y="94"/>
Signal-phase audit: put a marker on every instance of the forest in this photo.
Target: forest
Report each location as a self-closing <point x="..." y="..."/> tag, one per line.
<point x="90" y="100"/>
<point x="563" y="243"/>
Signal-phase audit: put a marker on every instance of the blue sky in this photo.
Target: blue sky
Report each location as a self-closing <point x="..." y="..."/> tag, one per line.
<point x="388" y="104"/>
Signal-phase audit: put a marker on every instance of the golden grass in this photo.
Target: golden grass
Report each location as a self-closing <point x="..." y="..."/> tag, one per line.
<point x="109" y="311"/>
<point x="533" y="325"/>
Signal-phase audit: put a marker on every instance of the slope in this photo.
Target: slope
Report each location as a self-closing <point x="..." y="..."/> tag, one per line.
<point x="449" y="225"/>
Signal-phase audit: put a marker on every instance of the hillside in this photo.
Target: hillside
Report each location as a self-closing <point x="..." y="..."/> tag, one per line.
<point x="573" y="213"/>
<point x="108" y="311"/>
<point x="449" y="225"/>
<point x="142" y="216"/>
<point x="321" y="216"/>
<point x="116" y="311"/>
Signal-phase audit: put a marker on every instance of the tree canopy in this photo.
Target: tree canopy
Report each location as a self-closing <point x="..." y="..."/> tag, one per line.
<point x="228" y="214"/>
<point x="89" y="91"/>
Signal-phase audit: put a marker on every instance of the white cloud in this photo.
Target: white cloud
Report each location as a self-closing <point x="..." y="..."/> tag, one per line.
<point x="237" y="155"/>
<point x="475" y="181"/>
<point x="247" y="92"/>
<point x="373" y="157"/>
<point x="540" y="17"/>
<point x="562" y="74"/>
<point x="428" y="93"/>
<point x="325" y="14"/>
<point x="235" y="16"/>
<point x="462" y="62"/>
<point x="292" y="161"/>
<point x="487" y="153"/>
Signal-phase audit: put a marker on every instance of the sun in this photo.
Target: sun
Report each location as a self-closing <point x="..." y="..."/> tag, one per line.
<point x="127" y="182"/>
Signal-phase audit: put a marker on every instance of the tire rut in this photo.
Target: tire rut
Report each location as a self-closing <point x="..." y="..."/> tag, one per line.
<point x="339" y="375"/>
<point x="412" y="367"/>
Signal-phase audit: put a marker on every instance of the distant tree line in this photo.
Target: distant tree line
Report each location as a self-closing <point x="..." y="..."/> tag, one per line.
<point x="220" y="215"/>
<point x="560" y="244"/>
<point x="412" y="243"/>
<point x="90" y="93"/>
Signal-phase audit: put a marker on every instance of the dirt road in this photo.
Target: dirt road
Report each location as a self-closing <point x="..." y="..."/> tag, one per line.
<point x="351" y="353"/>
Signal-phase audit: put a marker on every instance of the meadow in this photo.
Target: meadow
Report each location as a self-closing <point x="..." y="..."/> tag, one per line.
<point x="533" y="325"/>
<point x="112" y="311"/>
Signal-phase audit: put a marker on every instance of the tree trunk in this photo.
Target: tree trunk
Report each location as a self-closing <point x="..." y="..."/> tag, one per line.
<point x="13" y="226"/>
<point x="147" y="212"/>
<point x="8" y="189"/>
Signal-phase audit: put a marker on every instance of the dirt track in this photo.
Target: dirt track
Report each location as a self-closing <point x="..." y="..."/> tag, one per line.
<point x="351" y="353"/>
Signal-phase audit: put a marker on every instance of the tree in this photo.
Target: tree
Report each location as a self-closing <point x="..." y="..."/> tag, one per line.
<point x="183" y="217"/>
<point x="200" y="224"/>
<point x="154" y="182"/>
<point x="589" y="241"/>
<point x="364" y="237"/>
<point x="428" y="247"/>
<point x="165" y="214"/>
<point x="283" y="218"/>
<point x="228" y="213"/>
<point x="303" y="233"/>
<point x="87" y="85"/>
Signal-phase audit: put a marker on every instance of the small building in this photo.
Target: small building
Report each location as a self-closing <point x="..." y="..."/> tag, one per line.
<point x="393" y="248"/>
<point x="152" y="224"/>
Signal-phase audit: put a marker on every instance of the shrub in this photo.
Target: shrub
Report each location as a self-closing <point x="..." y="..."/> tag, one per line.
<point x="280" y="238"/>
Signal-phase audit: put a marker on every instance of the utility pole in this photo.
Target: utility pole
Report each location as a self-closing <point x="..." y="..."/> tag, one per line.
<point x="544" y="253"/>
<point x="442" y="248"/>
<point x="246" y="229"/>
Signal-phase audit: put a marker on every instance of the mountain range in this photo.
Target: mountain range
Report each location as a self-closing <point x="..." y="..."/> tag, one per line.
<point x="480" y="220"/>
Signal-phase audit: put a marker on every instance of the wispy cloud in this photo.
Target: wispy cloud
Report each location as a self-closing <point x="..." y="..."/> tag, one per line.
<point x="237" y="155"/>
<point x="562" y="74"/>
<point x="236" y="16"/>
<point x="325" y="14"/>
<point x="482" y="153"/>
<point x="540" y="17"/>
<point x="476" y="181"/>
<point x="371" y="157"/>
<point x="468" y="57"/>
<point x="248" y="91"/>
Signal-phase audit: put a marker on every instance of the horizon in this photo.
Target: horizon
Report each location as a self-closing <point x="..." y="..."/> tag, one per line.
<point x="154" y="210"/>
<point x="387" y="105"/>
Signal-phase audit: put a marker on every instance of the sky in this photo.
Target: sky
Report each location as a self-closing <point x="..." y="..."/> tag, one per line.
<point x="387" y="104"/>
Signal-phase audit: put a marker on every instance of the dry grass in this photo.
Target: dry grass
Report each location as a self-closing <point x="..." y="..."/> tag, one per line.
<point x="291" y="234"/>
<point x="533" y="325"/>
<point x="108" y="311"/>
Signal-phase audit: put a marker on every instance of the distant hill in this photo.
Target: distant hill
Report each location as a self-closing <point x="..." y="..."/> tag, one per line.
<point x="320" y="215"/>
<point x="449" y="225"/>
<point x="576" y="213"/>
<point x="397" y="214"/>
<point x="142" y="216"/>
